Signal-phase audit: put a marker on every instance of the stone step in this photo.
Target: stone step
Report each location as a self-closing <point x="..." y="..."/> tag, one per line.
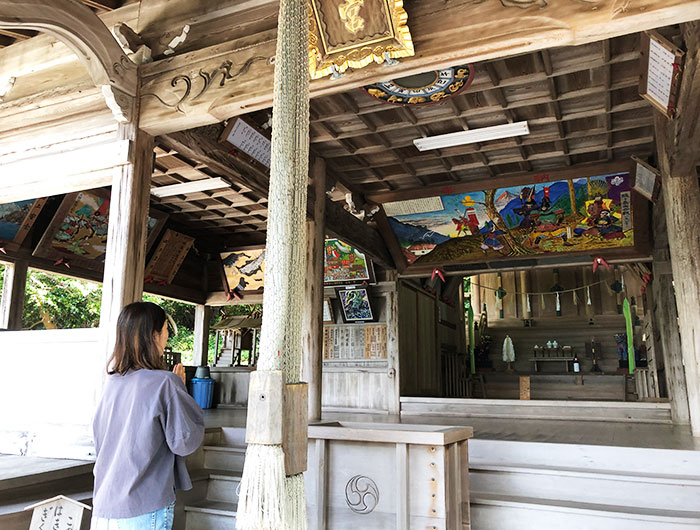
<point x="629" y="490"/>
<point x="223" y="485"/>
<point x="224" y="457"/>
<point x="210" y="515"/>
<point x="498" y="512"/>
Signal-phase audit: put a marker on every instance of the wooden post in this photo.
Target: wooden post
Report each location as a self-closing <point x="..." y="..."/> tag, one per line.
<point x="202" y="315"/>
<point x="126" y="240"/>
<point x="678" y="157"/>
<point x="312" y="321"/>
<point x="665" y="319"/>
<point x="393" y="393"/>
<point x="13" y="291"/>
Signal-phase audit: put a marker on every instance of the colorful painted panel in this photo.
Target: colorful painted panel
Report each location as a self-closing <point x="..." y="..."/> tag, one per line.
<point x="78" y="231"/>
<point x="355" y="304"/>
<point x="581" y="214"/>
<point x="244" y="269"/>
<point x="17" y="218"/>
<point x="345" y="264"/>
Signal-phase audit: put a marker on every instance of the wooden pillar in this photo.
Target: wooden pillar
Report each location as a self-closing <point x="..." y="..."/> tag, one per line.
<point x="202" y="315"/>
<point x="393" y="394"/>
<point x="312" y="321"/>
<point x="126" y="239"/>
<point x="13" y="291"/>
<point x="678" y="157"/>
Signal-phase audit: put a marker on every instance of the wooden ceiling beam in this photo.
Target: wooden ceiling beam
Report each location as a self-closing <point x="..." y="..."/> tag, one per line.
<point x="529" y="140"/>
<point x="443" y="31"/>
<point x="480" y="112"/>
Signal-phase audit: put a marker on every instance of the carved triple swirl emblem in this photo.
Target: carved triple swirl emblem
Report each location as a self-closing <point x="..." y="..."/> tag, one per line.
<point x="361" y="494"/>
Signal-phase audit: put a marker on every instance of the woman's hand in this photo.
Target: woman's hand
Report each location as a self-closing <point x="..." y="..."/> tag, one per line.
<point x="179" y="371"/>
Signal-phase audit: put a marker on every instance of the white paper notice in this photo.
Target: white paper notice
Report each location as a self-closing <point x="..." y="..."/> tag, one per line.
<point x="660" y="74"/>
<point x="430" y="204"/>
<point x="251" y="142"/>
<point x="644" y="181"/>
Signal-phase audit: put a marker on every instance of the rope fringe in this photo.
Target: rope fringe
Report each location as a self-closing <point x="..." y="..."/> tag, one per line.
<point x="296" y="502"/>
<point x="261" y="506"/>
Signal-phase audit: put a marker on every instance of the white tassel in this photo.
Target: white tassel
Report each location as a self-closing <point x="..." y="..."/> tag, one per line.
<point x="588" y="296"/>
<point x="262" y="505"/>
<point x="622" y="281"/>
<point x="542" y="301"/>
<point x="575" y="297"/>
<point x="296" y="503"/>
<point x="558" y="304"/>
<point x="527" y="303"/>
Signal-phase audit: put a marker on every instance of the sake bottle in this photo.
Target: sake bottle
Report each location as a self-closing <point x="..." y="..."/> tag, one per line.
<point x="577" y="365"/>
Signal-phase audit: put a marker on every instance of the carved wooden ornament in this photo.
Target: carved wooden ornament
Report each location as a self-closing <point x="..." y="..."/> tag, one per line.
<point x="354" y="33"/>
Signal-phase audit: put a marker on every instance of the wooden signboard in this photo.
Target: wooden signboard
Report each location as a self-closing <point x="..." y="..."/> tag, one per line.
<point x="57" y="513"/>
<point x="168" y="257"/>
<point x="253" y="142"/>
<point x="661" y="64"/>
<point x="525" y="387"/>
<point x="647" y="180"/>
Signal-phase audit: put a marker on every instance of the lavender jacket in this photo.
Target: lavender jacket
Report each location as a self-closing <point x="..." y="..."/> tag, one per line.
<point x="145" y="424"/>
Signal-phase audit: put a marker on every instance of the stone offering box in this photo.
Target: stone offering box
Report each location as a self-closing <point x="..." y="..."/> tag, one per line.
<point x="386" y="476"/>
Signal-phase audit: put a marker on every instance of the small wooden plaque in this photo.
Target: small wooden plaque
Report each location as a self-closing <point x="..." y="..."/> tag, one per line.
<point x="168" y="257"/>
<point x="525" y="387"/>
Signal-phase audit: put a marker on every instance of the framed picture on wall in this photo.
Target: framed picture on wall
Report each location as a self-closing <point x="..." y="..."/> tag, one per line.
<point x="78" y="231"/>
<point x="356" y="304"/>
<point x="243" y="269"/>
<point x="345" y="265"/>
<point x="328" y="316"/>
<point x="16" y="219"/>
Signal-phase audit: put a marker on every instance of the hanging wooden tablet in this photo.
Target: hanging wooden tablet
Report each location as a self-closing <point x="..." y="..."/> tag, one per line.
<point x="168" y="257"/>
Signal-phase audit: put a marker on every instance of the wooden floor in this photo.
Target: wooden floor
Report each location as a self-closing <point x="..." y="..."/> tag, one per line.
<point x="552" y="431"/>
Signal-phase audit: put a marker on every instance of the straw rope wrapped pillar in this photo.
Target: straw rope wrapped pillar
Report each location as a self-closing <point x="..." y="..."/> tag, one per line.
<point x="277" y="412"/>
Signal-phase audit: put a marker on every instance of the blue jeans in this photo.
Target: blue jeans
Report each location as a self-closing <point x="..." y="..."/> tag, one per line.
<point x="159" y="520"/>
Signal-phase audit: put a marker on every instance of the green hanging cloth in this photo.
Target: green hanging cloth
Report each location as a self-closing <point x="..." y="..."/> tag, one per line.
<point x="470" y="323"/>
<point x="630" y="334"/>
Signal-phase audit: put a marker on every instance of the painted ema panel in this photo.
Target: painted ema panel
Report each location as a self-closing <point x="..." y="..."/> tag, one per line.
<point x="581" y="214"/>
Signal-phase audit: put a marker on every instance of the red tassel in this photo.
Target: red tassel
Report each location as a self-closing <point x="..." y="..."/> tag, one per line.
<point x="600" y="261"/>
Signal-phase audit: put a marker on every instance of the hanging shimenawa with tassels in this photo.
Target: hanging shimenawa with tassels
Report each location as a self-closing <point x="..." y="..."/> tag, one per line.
<point x="272" y="493"/>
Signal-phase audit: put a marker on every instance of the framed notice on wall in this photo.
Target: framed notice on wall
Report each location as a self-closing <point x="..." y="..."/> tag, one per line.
<point x="646" y="180"/>
<point x="661" y="65"/>
<point x="346" y="343"/>
<point x="249" y="139"/>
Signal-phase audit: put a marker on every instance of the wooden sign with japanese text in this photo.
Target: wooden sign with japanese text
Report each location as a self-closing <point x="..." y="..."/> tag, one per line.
<point x="57" y="513"/>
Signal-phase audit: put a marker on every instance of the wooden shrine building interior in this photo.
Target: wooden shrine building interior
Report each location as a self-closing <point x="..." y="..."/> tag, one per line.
<point x="586" y="119"/>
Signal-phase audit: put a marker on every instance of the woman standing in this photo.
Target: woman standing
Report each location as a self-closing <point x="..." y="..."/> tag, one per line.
<point x="145" y="424"/>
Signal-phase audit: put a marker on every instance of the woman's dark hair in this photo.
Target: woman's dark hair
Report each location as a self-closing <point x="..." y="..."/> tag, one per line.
<point x="135" y="346"/>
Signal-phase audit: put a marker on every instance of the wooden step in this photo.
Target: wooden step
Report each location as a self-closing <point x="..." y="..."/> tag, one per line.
<point x="210" y="515"/>
<point x="224" y="457"/>
<point x="538" y="409"/>
<point x="596" y="486"/>
<point x="223" y="485"/>
<point x="498" y="512"/>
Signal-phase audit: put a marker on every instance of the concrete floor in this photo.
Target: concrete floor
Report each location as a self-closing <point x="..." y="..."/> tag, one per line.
<point x="618" y="434"/>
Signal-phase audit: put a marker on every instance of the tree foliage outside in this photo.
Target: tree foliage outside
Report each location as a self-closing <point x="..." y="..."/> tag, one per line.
<point x="53" y="301"/>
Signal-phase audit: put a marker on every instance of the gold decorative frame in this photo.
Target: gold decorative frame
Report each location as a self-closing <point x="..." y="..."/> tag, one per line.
<point x="354" y="49"/>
